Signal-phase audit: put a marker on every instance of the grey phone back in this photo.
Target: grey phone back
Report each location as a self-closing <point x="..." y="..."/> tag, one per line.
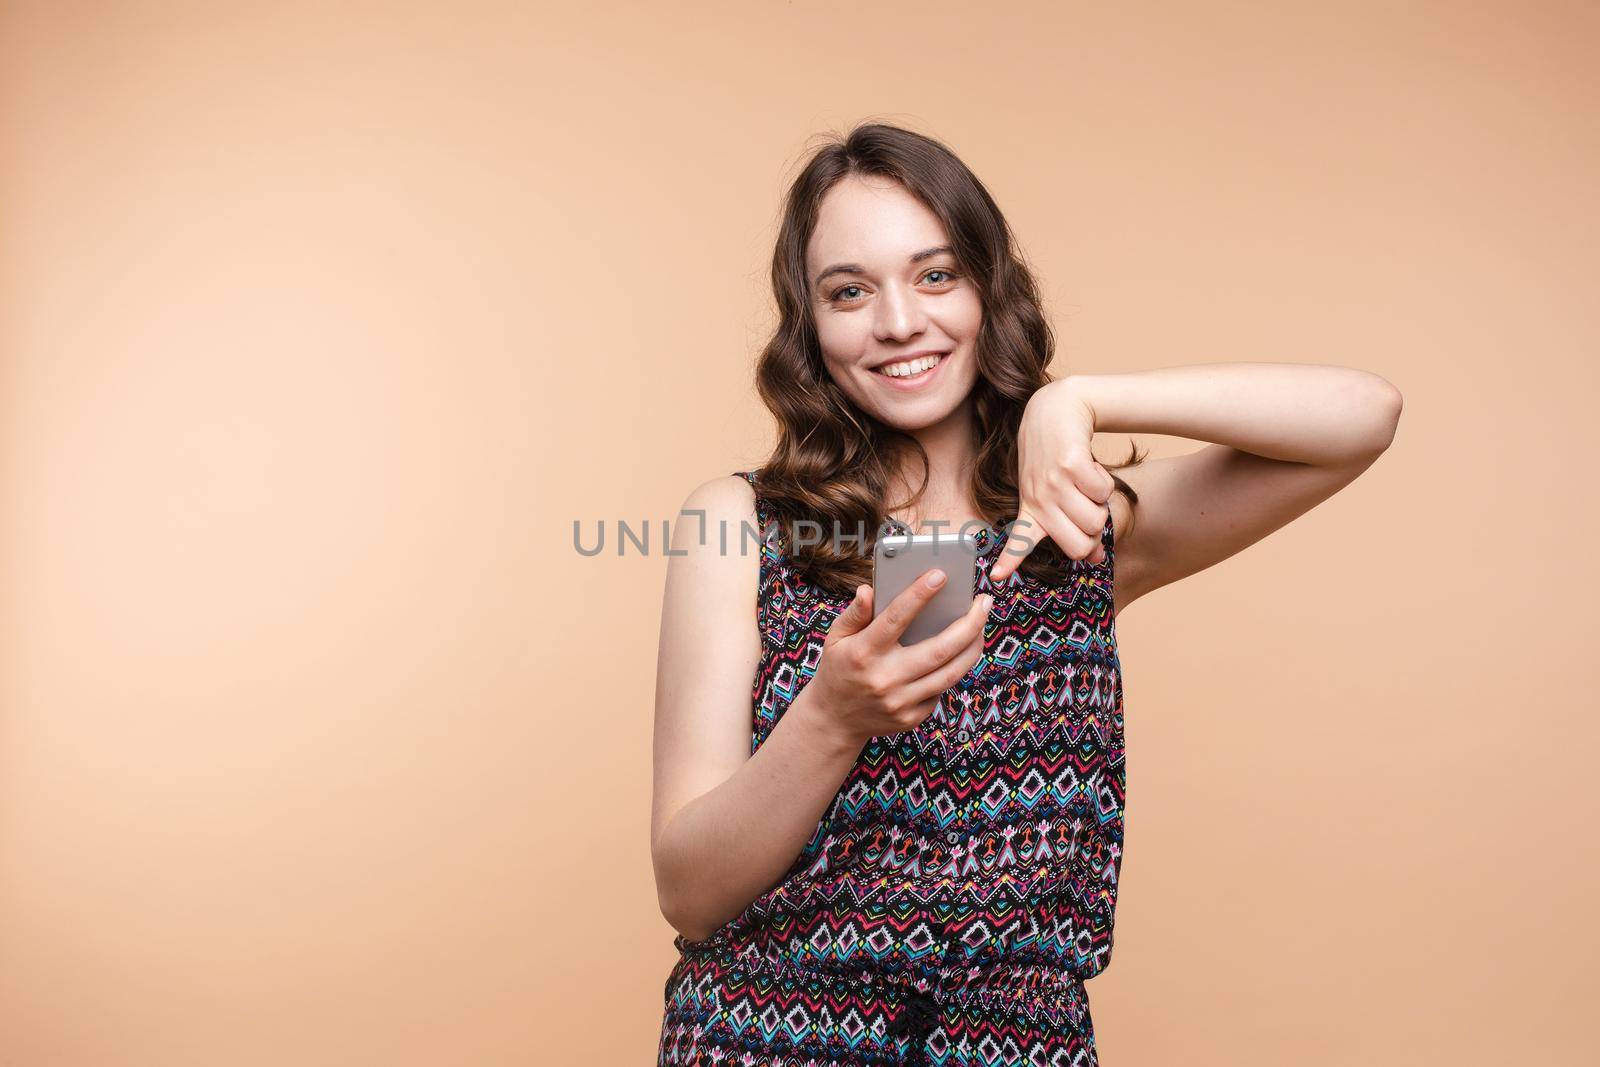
<point x="898" y="560"/>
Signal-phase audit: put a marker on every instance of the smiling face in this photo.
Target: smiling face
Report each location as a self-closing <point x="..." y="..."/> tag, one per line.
<point x="897" y="319"/>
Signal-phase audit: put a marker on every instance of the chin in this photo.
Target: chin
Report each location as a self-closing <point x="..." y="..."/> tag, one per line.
<point x="912" y="413"/>
<point x="918" y="415"/>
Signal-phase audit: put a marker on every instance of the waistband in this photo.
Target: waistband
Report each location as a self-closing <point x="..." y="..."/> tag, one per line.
<point x="1012" y="987"/>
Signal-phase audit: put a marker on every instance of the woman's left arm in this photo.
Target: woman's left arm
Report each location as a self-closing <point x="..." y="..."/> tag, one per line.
<point x="1284" y="437"/>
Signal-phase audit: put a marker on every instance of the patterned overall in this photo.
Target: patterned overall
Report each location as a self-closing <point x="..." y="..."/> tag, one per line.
<point x="962" y="885"/>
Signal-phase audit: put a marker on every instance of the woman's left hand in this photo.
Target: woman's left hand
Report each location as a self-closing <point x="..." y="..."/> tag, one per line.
<point x="1063" y="491"/>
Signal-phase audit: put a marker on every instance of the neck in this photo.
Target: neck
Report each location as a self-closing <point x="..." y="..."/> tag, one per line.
<point x="948" y="444"/>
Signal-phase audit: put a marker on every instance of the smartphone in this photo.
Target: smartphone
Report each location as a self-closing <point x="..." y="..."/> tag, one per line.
<point x="900" y="559"/>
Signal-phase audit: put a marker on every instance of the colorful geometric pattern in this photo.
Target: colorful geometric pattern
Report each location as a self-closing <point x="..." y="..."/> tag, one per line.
<point x="962" y="885"/>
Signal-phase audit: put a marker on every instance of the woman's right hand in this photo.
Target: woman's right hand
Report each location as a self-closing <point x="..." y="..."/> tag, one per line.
<point x="868" y="684"/>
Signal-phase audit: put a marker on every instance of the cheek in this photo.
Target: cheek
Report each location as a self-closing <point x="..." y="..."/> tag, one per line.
<point x="841" y="341"/>
<point x="967" y="316"/>
<point x="842" y="348"/>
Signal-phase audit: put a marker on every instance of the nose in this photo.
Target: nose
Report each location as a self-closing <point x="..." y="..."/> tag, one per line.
<point x="900" y="315"/>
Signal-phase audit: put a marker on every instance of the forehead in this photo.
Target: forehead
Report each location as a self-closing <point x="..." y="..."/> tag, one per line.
<point x="872" y="221"/>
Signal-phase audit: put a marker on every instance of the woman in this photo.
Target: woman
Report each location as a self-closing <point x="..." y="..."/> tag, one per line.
<point x="886" y="854"/>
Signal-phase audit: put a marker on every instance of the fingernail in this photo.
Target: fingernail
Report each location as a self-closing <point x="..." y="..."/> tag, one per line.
<point x="936" y="579"/>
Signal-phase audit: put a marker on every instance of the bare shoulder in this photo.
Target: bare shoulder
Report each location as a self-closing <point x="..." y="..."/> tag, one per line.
<point x="726" y="489"/>
<point x="714" y="514"/>
<point x="713" y="569"/>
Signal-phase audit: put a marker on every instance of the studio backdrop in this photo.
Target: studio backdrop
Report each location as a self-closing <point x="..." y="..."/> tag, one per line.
<point x="329" y="332"/>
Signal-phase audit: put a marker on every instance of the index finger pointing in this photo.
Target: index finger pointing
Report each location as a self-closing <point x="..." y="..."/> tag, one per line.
<point x="1015" y="552"/>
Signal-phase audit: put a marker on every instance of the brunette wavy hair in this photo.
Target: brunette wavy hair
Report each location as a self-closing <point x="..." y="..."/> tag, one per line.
<point x="832" y="462"/>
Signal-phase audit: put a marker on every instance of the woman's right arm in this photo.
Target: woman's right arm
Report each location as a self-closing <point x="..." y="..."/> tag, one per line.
<point x="725" y="824"/>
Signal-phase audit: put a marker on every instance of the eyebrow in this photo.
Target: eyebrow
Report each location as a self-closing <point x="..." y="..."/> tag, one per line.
<point x="856" y="268"/>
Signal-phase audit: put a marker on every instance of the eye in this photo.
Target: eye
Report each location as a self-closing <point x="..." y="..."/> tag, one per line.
<point x="949" y="275"/>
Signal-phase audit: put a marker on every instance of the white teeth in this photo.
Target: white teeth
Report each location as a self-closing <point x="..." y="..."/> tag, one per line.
<point x="910" y="367"/>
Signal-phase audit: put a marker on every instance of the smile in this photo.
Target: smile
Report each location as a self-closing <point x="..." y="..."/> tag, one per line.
<point x="911" y="373"/>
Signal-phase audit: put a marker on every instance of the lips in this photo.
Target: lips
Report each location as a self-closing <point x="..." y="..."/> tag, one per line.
<point x="908" y="358"/>
<point x="914" y="382"/>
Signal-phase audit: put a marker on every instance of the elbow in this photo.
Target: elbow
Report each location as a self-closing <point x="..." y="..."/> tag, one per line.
<point x="670" y="897"/>
<point x="691" y="931"/>
<point x="666" y="894"/>
<point x="1393" y="403"/>
<point x="691" y="926"/>
<point x="1384" y="417"/>
<point x="686" y="893"/>
<point x="683" y="904"/>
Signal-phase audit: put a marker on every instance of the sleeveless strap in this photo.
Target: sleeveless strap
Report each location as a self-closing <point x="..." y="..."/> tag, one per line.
<point x="764" y="517"/>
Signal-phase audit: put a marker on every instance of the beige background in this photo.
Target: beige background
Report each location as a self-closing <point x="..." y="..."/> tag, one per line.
<point x="321" y="324"/>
